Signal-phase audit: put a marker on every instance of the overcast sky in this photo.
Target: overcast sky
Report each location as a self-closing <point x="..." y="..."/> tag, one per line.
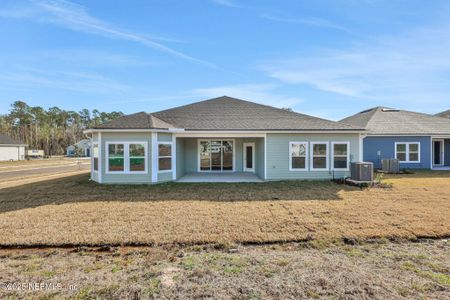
<point x="324" y="58"/>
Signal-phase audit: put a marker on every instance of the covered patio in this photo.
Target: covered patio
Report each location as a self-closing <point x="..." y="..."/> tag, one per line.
<point x="220" y="177"/>
<point x="223" y="158"/>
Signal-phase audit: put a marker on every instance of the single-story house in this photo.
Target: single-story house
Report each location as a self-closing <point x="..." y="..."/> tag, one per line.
<point x="419" y="141"/>
<point x="444" y="114"/>
<point x="11" y="149"/>
<point x="81" y="148"/>
<point x="222" y="139"/>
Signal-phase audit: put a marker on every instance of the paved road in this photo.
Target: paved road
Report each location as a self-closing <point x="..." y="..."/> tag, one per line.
<point x="32" y="171"/>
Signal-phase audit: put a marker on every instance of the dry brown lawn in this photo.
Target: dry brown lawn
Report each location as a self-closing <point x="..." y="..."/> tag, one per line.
<point x="288" y="271"/>
<point x="74" y="211"/>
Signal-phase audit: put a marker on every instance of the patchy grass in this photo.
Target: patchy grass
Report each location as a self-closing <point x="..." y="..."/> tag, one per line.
<point x="74" y="211"/>
<point x="285" y="271"/>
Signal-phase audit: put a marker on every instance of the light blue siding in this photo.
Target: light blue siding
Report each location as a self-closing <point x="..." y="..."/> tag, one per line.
<point x="259" y="159"/>
<point x="278" y="155"/>
<point x="122" y="177"/>
<point x="190" y="154"/>
<point x="180" y="158"/>
<point x="164" y="176"/>
<point x="386" y="147"/>
<point x="166" y="137"/>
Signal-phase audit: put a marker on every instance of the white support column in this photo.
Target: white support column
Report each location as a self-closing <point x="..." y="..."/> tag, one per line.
<point x="174" y="157"/>
<point x="100" y="158"/>
<point x="92" y="156"/>
<point x="265" y="156"/>
<point x="361" y="147"/>
<point x="431" y="152"/>
<point x="154" y="157"/>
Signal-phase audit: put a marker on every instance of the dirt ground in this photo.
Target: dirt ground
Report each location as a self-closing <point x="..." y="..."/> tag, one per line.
<point x="74" y="211"/>
<point x="380" y="270"/>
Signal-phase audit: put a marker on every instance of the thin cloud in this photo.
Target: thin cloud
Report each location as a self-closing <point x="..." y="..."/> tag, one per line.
<point x="316" y="22"/>
<point x="228" y="3"/>
<point x="75" y="17"/>
<point x="30" y="78"/>
<point x="412" y="69"/>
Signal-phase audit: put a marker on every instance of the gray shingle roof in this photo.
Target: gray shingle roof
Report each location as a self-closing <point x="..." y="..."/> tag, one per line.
<point x="140" y="120"/>
<point x="383" y="120"/>
<point x="6" y="140"/>
<point x="444" y="114"/>
<point x="226" y="113"/>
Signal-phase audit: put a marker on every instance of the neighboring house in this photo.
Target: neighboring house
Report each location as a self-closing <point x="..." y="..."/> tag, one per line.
<point x="444" y="114"/>
<point x="418" y="140"/>
<point x="81" y="148"/>
<point x="222" y="136"/>
<point x="11" y="149"/>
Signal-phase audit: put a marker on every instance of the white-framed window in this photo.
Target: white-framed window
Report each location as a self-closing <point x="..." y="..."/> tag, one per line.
<point x="164" y="157"/>
<point x="95" y="157"/>
<point x="298" y="156"/>
<point x="407" y="152"/>
<point x="340" y="155"/>
<point x="126" y="157"/>
<point x="137" y="157"/>
<point x="319" y="156"/>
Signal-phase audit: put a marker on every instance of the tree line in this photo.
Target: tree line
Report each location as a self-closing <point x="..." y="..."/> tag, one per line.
<point x="51" y="130"/>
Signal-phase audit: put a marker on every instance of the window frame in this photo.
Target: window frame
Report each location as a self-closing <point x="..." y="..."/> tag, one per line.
<point x="327" y="156"/>
<point x="171" y="156"/>
<point x="93" y="157"/>
<point x="306" y="168"/>
<point x="126" y="157"/>
<point x="332" y="156"/>
<point x="221" y="141"/>
<point x="407" y="152"/>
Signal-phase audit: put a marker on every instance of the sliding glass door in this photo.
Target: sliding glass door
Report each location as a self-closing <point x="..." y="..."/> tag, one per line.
<point x="216" y="155"/>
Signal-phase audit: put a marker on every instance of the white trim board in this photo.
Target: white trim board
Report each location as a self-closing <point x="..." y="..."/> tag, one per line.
<point x="261" y="133"/>
<point x="154" y="157"/>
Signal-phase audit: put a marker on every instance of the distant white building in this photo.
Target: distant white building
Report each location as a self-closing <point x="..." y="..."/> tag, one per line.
<point x="11" y="149"/>
<point x="81" y="148"/>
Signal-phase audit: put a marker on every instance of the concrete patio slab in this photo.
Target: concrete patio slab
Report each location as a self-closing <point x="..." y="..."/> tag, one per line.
<point x="220" y="177"/>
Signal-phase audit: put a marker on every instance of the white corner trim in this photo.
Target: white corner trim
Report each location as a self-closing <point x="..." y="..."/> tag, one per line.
<point x="361" y="147"/>
<point x="174" y="157"/>
<point x="305" y="169"/>
<point x="154" y="156"/>
<point x="101" y="158"/>
<point x="265" y="156"/>
<point x="348" y="156"/>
